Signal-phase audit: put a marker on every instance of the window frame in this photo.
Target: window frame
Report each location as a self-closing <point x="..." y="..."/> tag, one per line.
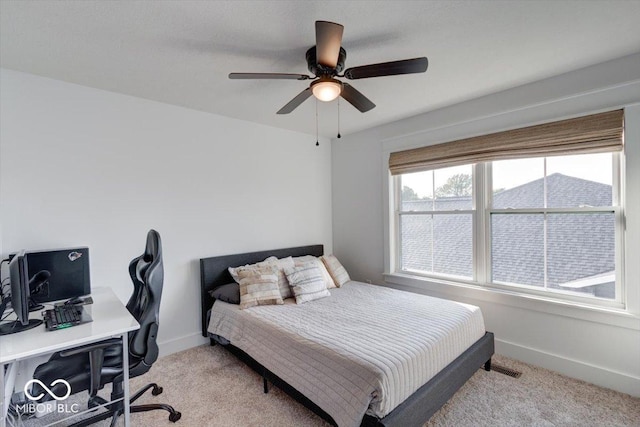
<point x="481" y="238"/>
<point x="432" y="213"/>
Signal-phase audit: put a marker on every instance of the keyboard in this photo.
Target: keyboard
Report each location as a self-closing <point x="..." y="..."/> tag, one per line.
<point x="65" y="316"/>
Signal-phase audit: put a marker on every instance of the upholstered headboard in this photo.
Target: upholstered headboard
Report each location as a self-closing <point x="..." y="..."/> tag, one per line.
<point x="214" y="271"/>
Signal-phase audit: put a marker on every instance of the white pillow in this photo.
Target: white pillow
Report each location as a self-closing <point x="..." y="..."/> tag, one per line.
<point x="306" y="281"/>
<point x="326" y="277"/>
<point x="336" y="270"/>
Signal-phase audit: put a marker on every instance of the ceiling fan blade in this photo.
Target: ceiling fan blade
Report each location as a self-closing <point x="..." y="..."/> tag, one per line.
<point x="405" y="66"/>
<point x="295" y="102"/>
<point x="355" y="98"/>
<point x="328" y="41"/>
<point x="277" y="76"/>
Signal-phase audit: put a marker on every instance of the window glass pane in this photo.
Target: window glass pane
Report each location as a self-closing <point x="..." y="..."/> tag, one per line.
<point x="517" y="248"/>
<point x="579" y="181"/>
<point x="454" y="188"/>
<point x="581" y="253"/>
<point x="453" y="245"/>
<point x="417" y="191"/>
<point x="518" y="183"/>
<point x="441" y="244"/>
<point x="416" y="245"/>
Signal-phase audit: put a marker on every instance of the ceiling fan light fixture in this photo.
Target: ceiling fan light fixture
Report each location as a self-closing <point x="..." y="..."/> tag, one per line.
<point x="326" y="89"/>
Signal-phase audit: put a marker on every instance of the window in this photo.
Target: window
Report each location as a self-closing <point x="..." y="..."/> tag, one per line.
<point x="552" y="224"/>
<point x="549" y="224"/>
<point x="435" y="221"/>
<point x="546" y="225"/>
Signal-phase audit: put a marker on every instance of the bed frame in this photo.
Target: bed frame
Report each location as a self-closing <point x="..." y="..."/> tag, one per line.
<point x="414" y="411"/>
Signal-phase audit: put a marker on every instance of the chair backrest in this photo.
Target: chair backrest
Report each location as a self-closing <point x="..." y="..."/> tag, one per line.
<point x="147" y="275"/>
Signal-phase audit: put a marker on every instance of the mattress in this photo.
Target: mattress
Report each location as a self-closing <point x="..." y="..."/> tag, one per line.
<point x="364" y="349"/>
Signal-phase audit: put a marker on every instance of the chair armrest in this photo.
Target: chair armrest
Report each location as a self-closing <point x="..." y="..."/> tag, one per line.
<point x="96" y="360"/>
<point x="90" y="347"/>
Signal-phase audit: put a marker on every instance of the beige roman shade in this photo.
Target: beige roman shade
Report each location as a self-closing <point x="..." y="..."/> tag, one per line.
<point x="596" y="133"/>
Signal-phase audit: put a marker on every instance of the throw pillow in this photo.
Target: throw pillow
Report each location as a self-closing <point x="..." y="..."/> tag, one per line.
<point x="228" y="293"/>
<point x="326" y="277"/>
<point x="306" y="281"/>
<point x="336" y="270"/>
<point x="259" y="286"/>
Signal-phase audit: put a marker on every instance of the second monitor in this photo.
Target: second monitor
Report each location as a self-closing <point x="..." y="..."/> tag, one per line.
<point x="19" y="298"/>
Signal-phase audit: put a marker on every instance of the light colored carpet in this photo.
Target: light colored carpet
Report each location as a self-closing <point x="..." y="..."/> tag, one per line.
<point x="212" y="388"/>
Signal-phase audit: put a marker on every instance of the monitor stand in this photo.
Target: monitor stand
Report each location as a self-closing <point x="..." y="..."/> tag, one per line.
<point x="33" y="306"/>
<point x="16" y="326"/>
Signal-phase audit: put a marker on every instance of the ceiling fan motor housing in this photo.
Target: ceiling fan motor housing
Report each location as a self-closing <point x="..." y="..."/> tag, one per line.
<point x="322" y="70"/>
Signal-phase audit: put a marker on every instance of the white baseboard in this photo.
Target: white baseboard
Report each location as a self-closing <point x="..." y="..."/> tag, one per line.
<point x="573" y="368"/>
<point x="182" y="343"/>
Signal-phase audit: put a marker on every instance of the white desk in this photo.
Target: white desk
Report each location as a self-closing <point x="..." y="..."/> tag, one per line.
<point x="110" y="319"/>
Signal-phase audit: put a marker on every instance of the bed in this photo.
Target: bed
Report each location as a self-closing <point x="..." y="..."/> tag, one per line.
<point x="335" y="374"/>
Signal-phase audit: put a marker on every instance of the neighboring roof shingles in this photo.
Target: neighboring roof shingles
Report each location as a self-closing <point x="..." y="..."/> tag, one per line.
<point x="578" y="245"/>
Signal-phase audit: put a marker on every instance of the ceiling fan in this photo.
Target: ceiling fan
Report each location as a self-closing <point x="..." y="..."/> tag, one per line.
<point x="326" y="61"/>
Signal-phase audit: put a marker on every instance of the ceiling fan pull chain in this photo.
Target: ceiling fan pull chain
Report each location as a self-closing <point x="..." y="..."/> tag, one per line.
<point x="339" y="118"/>
<point x="317" y="141"/>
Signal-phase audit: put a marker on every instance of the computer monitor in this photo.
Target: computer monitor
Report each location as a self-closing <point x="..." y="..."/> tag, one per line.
<point x="19" y="278"/>
<point x="67" y="270"/>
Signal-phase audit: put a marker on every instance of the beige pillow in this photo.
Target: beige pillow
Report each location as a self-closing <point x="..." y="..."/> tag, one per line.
<point x="336" y="270"/>
<point x="306" y="281"/>
<point x="283" y="285"/>
<point x="326" y="277"/>
<point x="259" y="286"/>
<point x="281" y="263"/>
<point x="234" y="271"/>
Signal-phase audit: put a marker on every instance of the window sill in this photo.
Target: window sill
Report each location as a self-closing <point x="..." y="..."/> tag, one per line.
<point x="465" y="291"/>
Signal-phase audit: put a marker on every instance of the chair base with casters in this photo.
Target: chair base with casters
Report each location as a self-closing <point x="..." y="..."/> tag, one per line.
<point x="114" y="410"/>
<point x="98" y="373"/>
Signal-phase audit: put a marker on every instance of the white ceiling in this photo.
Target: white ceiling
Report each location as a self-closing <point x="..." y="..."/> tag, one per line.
<point x="180" y="52"/>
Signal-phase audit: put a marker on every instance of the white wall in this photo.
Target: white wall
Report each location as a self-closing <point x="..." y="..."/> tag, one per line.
<point x="80" y="166"/>
<point x="599" y="346"/>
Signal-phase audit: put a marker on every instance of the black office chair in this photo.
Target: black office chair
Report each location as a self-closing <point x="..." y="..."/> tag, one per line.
<point x="92" y="366"/>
